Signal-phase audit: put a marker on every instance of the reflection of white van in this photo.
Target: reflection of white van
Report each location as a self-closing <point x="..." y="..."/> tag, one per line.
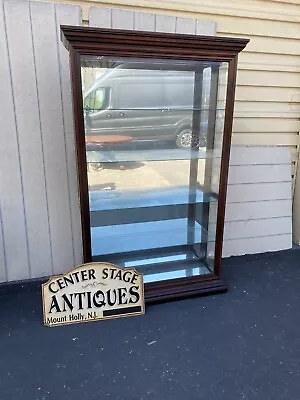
<point x="145" y="105"/>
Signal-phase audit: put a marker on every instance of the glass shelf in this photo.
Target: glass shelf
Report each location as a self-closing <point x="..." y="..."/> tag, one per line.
<point x="158" y="108"/>
<point x="165" y="264"/>
<point x="116" y="156"/>
<point x="145" y="63"/>
<point x="183" y="269"/>
<point x="116" y="199"/>
<point x="144" y="236"/>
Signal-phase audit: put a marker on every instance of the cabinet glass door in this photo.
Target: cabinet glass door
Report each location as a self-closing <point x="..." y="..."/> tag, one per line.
<point x="153" y="134"/>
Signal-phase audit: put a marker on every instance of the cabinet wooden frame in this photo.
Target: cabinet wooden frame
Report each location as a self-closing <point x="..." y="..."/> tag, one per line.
<point x="84" y="41"/>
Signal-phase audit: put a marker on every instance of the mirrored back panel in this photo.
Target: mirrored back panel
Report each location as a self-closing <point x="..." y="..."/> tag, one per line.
<point x="154" y="134"/>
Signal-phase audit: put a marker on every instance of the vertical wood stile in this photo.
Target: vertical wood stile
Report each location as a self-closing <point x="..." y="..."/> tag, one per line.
<point x="52" y="128"/>
<point x="70" y="15"/>
<point x="100" y="17"/>
<point x="27" y="230"/>
<point x="165" y="23"/>
<point x="144" y="21"/>
<point x="122" y="19"/>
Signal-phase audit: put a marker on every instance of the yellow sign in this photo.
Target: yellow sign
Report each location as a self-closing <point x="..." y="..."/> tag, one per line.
<point x="92" y="292"/>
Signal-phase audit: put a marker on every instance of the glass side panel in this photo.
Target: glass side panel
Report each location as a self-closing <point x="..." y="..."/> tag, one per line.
<point x="153" y="133"/>
<point x="219" y="80"/>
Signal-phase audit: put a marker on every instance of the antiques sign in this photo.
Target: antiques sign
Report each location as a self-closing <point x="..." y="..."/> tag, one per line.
<point x="92" y="292"/>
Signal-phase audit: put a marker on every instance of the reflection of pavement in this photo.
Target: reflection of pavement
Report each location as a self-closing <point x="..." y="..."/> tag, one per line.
<point x="143" y="177"/>
<point x="177" y="172"/>
<point x="151" y="174"/>
<point x="165" y="166"/>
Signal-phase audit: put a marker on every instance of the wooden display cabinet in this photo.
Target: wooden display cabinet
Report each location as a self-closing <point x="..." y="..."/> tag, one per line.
<point x="153" y="119"/>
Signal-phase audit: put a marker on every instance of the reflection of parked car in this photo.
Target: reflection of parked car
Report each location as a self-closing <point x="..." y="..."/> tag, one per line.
<point x="147" y="105"/>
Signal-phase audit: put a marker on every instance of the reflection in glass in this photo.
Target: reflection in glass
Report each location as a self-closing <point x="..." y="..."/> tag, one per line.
<point x="153" y="133"/>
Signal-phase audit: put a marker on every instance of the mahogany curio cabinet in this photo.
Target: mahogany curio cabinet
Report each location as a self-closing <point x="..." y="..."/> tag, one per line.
<point x="153" y="120"/>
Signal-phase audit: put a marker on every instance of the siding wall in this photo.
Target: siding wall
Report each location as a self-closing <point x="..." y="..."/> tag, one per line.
<point x="39" y="214"/>
<point x="259" y="201"/>
<point x="40" y="228"/>
<point x="267" y="110"/>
